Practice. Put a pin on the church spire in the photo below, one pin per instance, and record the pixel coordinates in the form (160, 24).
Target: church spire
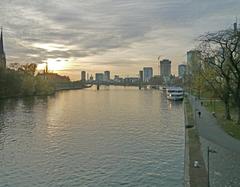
(1, 43)
(2, 54)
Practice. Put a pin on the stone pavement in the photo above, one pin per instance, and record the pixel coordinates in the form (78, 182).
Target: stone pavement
(225, 164)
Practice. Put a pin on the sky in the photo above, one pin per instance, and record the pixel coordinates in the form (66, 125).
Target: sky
(121, 36)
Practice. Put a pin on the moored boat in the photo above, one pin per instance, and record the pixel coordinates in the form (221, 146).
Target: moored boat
(175, 93)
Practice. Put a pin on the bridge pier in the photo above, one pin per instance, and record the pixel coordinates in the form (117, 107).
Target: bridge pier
(140, 86)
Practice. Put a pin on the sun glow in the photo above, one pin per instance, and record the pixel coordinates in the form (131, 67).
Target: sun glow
(54, 64)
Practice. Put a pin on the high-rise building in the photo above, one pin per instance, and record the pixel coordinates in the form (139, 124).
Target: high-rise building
(83, 76)
(2, 53)
(182, 68)
(193, 61)
(106, 76)
(141, 76)
(165, 68)
(87, 76)
(235, 26)
(147, 73)
(99, 77)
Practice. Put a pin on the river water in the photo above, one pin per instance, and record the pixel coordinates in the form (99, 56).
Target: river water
(112, 137)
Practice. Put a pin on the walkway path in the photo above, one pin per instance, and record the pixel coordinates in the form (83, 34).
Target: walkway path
(225, 164)
(209, 129)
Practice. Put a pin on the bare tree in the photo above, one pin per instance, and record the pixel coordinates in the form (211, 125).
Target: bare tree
(221, 52)
(25, 68)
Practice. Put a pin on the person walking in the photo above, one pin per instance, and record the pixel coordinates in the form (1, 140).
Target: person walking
(199, 114)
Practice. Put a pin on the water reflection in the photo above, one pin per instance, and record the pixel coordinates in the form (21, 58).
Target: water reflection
(2, 137)
(20, 115)
(111, 137)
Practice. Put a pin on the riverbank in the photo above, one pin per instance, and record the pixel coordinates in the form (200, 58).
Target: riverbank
(195, 176)
(224, 161)
(72, 87)
(52, 92)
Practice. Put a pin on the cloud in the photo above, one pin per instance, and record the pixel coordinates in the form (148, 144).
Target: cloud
(109, 33)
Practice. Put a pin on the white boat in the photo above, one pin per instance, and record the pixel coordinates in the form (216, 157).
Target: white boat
(175, 93)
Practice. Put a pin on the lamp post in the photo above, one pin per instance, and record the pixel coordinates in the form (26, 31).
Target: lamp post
(195, 111)
(195, 116)
(209, 151)
(214, 106)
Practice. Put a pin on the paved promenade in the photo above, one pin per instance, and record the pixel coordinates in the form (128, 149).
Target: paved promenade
(225, 164)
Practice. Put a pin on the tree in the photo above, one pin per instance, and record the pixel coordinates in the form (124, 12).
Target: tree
(218, 85)
(28, 86)
(29, 68)
(19, 80)
(220, 51)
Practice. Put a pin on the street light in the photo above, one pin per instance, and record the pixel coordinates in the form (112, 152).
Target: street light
(209, 151)
(195, 112)
(195, 116)
(214, 106)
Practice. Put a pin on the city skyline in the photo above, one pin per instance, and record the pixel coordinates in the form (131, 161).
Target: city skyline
(119, 93)
(118, 36)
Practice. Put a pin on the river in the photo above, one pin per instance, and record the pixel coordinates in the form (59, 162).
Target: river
(112, 137)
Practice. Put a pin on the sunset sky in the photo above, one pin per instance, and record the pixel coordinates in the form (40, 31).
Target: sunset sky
(117, 35)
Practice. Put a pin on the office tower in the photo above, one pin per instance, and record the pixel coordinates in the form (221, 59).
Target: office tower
(182, 68)
(193, 61)
(147, 73)
(106, 75)
(165, 68)
(99, 77)
(83, 76)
